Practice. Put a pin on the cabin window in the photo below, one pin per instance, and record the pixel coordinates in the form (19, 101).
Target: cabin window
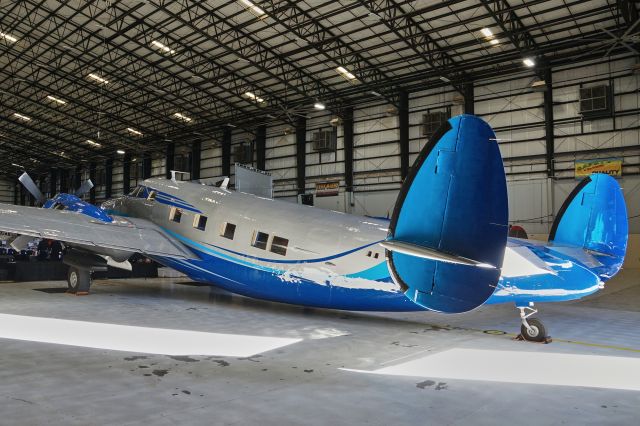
(175, 214)
(375, 256)
(260, 240)
(228, 230)
(152, 196)
(200, 222)
(279, 245)
(369, 253)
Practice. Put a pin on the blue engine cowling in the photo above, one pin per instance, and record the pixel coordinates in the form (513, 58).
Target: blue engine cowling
(72, 203)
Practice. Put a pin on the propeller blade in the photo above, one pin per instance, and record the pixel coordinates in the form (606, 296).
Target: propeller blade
(84, 188)
(31, 186)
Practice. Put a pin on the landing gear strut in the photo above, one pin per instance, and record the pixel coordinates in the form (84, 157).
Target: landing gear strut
(531, 329)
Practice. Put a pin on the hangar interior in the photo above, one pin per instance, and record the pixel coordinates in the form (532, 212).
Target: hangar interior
(317, 92)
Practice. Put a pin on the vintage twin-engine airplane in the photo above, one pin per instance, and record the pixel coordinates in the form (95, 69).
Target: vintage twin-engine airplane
(445, 248)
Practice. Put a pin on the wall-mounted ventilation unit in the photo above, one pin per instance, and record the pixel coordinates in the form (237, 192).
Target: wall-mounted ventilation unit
(243, 153)
(325, 140)
(596, 102)
(181, 162)
(431, 122)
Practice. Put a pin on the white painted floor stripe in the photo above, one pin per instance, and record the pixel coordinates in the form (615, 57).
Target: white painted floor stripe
(135, 339)
(523, 367)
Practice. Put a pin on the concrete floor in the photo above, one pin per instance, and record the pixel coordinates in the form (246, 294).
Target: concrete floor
(306, 382)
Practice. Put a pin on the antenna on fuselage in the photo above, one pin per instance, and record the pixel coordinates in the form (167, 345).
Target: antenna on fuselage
(174, 174)
(225, 183)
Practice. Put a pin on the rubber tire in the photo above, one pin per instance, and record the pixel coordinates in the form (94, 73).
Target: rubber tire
(537, 325)
(73, 279)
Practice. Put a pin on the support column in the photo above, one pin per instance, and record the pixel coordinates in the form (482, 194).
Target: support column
(196, 152)
(16, 188)
(548, 123)
(347, 130)
(301, 153)
(469, 98)
(403, 122)
(53, 182)
(169, 160)
(126, 173)
(226, 152)
(108, 178)
(261, 147)
(92, 176)
(77, 178)
(146, 166)
(64, 180)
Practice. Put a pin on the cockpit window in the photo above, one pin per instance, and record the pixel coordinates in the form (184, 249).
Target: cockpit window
(152, 196)
(59, 206)
(135, 191)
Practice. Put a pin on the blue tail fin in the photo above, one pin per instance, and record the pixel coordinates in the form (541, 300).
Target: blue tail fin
(594, 217)
(449, 229)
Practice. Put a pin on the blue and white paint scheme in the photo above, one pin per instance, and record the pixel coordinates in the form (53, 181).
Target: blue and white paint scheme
(445, 249)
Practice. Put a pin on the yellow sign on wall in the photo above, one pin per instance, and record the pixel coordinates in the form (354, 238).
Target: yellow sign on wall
(610, 166)
(327, 189)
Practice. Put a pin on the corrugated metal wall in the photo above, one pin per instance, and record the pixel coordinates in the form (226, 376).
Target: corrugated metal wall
(509, 104)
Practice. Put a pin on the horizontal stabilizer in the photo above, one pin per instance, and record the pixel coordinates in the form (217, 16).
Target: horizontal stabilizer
(448, 232)
(427, 253)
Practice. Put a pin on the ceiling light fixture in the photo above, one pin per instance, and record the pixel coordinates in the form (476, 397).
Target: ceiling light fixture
(253, 97)
(8, 37)
(254, 9)
(528, 62)
(345, 73)
(134, 131)
(445, 79)
(120, 151)
(97, 78)
(93, 143)
(56, 100)
(17, 165)
(374, 93)
(163, 47)
(486, 32)
(494, 41)
(182, 117)
(21, 117)
(319, 106)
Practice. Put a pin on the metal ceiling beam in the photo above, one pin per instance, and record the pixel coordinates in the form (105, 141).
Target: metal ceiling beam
(628, 10)
(512, 27)
(235, 39)
(309, 29)
(409, 31)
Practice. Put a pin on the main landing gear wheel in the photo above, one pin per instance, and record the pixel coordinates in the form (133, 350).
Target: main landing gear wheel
(72, 280)
(78, 281)
(536, 331)
(532, 329)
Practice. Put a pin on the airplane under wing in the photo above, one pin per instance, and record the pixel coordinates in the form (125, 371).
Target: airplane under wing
(123, 234)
